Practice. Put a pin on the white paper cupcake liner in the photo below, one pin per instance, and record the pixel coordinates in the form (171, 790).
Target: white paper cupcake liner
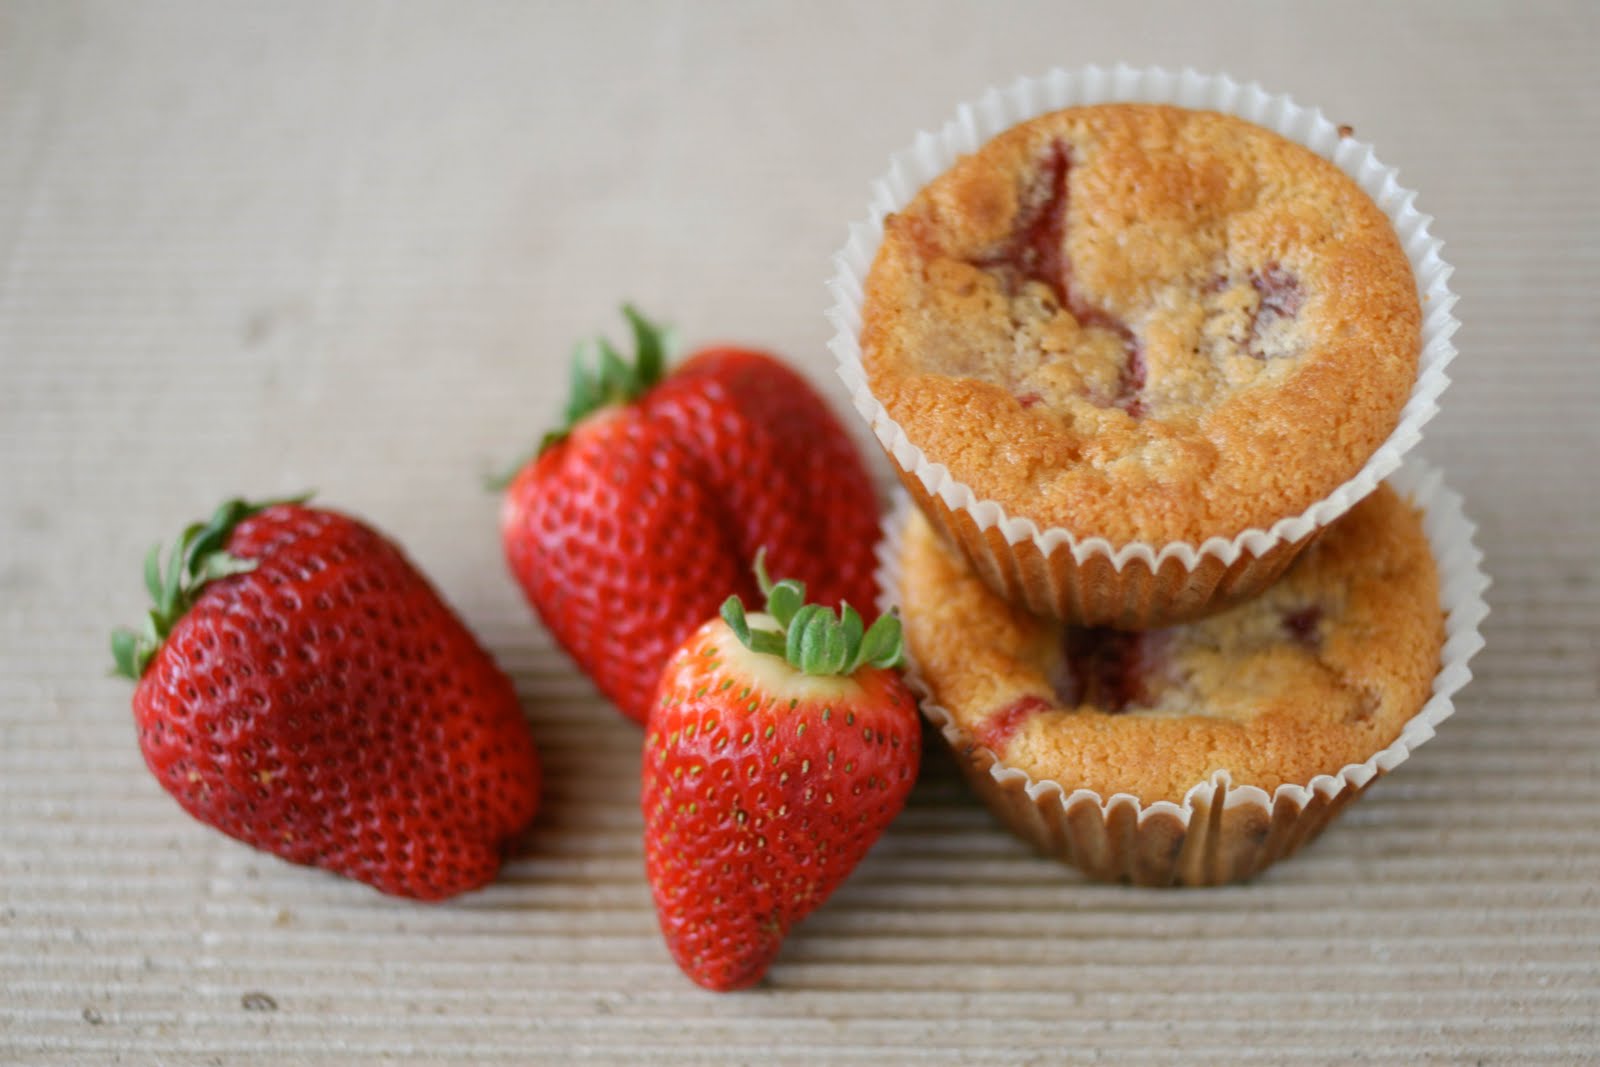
(1221, 832)
(982, 527)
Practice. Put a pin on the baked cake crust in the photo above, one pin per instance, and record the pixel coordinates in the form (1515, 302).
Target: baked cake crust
(1322, 670)
(1141, 322)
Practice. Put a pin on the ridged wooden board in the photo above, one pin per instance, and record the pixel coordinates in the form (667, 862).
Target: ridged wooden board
(348, 246)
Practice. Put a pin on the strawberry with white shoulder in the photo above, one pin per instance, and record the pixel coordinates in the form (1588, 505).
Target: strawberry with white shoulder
(779, 748)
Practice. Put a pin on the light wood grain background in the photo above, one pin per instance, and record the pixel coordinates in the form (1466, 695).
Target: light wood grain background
(254, 248)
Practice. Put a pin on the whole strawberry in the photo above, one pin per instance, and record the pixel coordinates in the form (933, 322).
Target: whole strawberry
(301, 687)
(779, 748)
(634, 522)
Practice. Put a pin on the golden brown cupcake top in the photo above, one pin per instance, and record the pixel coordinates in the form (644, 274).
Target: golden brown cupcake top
(1140, 322)
(1321, 671)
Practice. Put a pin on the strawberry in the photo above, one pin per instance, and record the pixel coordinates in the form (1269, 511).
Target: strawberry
(301, 687)
(634, 522)
(779, 748)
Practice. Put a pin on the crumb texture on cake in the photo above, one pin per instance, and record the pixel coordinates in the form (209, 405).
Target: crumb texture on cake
(1321, 671)
(1141, 322)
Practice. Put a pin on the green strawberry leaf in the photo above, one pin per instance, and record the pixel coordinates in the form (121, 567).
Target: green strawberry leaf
(783, 598)
(787, 598)
(649, 346)
(883, 645)
(763, 580)
(125, 653)
(766, 642)
(759, 640)
(222, 565)
(585, 395)
(851, 627)
(616, 377)
(733, 615)
(175, 559)
(197, 558)
(812, 638)
(835, 652)
(207, 539)
(795, 635)
(612, 381)
(152, 572)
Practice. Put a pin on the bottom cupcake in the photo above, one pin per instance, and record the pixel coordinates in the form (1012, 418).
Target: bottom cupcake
(1199, 754)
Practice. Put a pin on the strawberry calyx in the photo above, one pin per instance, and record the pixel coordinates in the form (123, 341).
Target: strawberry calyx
(196, 558)
(812, 638)
(613, 380)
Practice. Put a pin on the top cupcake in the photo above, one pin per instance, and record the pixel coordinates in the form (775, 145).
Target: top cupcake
(1141, 322)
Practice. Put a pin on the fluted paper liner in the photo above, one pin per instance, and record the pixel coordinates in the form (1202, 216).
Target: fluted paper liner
(1222, 831)
(1091, 581)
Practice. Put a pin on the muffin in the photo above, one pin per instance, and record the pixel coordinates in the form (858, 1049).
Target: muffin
(1223, 743)
(1131, 357)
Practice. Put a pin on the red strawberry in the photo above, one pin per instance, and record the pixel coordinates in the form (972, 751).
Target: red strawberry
(301, 687)
(630, 527)
(779, 748)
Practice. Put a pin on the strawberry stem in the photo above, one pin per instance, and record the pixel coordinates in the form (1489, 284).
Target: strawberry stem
(613, 381)
(813, 638)
(197, 557)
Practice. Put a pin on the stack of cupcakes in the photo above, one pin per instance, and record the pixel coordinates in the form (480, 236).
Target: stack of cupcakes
(1144, 349)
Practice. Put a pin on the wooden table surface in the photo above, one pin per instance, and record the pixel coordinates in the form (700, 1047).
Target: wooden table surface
(254, 248)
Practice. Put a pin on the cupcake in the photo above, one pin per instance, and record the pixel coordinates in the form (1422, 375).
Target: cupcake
(1200, 753)
(1132, 357)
